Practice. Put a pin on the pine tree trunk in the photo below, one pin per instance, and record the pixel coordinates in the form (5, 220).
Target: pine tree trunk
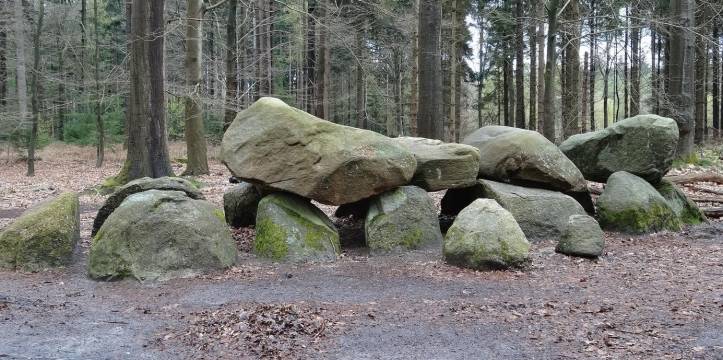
(682, 73)
(81, 51)
(414, 78)
(453, 63)
(571, 90)
(549, 120)
(531, 34)
(716, 83)
(481, 75)
(4, 67)
(59, 127)
(585, 85)
(360, 90)
(36, 89)
(430, 117)
(701, 97)
(231, 65)
(539, 14)
(635, 63)
(321, 83)
(100, 146)
(195, 139)
(20, 63)
(593, 58)
(519, 67)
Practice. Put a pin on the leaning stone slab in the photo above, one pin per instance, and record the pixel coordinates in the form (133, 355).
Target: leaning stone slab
(44, 236)
(240, 203)
(140, 185)
(642, 145)
(542, 214)
(442, 165)
(524, 157)
(485, 236)
(291, 228)
(685, 209)
(402, 219)
(159, 235)
(630, 204)
(283, 148)
(582, 237)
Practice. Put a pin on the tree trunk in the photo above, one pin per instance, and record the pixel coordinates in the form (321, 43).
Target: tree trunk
(231, 65)
(539, 14)
(606, 82)
(532, 33)
(195, 139)
(506, 84)
(593, 57)
(414, 78)
(519, 67)
(100, 146)
(682, 72)
(481, 75)
(81, 51)
(323, 67)
(20, 65)
(360, 90)
(35, 86)
(60, 103)
(311, 57)
(571, 90)
(430, 117)
(716, 77)
(635, 62)
(4, 67)
(147, 143)
(583, 91)
(701, 97)
(549, 120)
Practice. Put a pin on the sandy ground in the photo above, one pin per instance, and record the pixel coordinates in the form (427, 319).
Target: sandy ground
(657, 296)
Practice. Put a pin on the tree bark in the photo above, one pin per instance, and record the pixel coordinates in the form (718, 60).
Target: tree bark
(701, 97)
(583, 91)
(100, 146)
(682, 73)
(414, 78)
(453, 64)
(147, 143)
(231, 65)
(716, 83)
(539, 14)
(3, 67)
(519, 67)
(323, 66)
(195, 139)
(571, 94)
(635, 62)
(20, 63)
(35, 86)
(430, 117)
(549, 120)
(360, 86)
(593, 58)
(532, 33)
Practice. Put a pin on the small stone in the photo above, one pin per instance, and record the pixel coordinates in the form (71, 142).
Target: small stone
(582, 237)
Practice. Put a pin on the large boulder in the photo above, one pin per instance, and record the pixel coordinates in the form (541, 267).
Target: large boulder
(485, 236)
(685, 209)
(44, 236)
(158, 235)
(240, 203)
(643, 145)
(542, 214)
(524, 157)
(630, 204)
(291, 228)
(283, 148)
(582, 237)
(400, 219)
(140, 185)
(442, 165)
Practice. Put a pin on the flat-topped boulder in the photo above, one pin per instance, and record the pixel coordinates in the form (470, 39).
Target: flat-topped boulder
(290, 228)
(159, 235)
(283, 148)
(630, 204)
(442, 165)
(541, 213)
(140, 185)
(524, 157)
(402, 219)
(485, 236)
(642, 145)
(44, 236)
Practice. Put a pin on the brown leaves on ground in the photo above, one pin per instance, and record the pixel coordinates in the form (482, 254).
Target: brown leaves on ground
(262, 330)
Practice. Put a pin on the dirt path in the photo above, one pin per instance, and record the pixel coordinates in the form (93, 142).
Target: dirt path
(651, 297)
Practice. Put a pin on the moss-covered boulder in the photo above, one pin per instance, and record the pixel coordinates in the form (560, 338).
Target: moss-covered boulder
(442, 165)
(485, 236)
(542, 214)
(291, 228)
(642, 145)
(240, 203)
(630, 204)
(44, 236)
(582, 237)
(524, 157)
(140, 185)
(283, 148)
(685, 209)
(158, 235)
(402, 219)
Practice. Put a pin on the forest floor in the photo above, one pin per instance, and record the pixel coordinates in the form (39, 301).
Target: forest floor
(657, 296)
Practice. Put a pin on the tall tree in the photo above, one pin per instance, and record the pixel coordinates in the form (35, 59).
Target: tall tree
(571, 64)
(593, 56)
(701, 96)
(322, 83)
(548, 124)
(195, 139)
(20, 68)
(635, 61)
(453, 68)
(414, 77)
(3, 64)
(716, 83)
(35, 88)
(585, 85)
(147, 142)
(100, 142)
(519, 66)
(532, 40)
(430, 116)
(231, 65)
(681, 72)
(539, 15)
